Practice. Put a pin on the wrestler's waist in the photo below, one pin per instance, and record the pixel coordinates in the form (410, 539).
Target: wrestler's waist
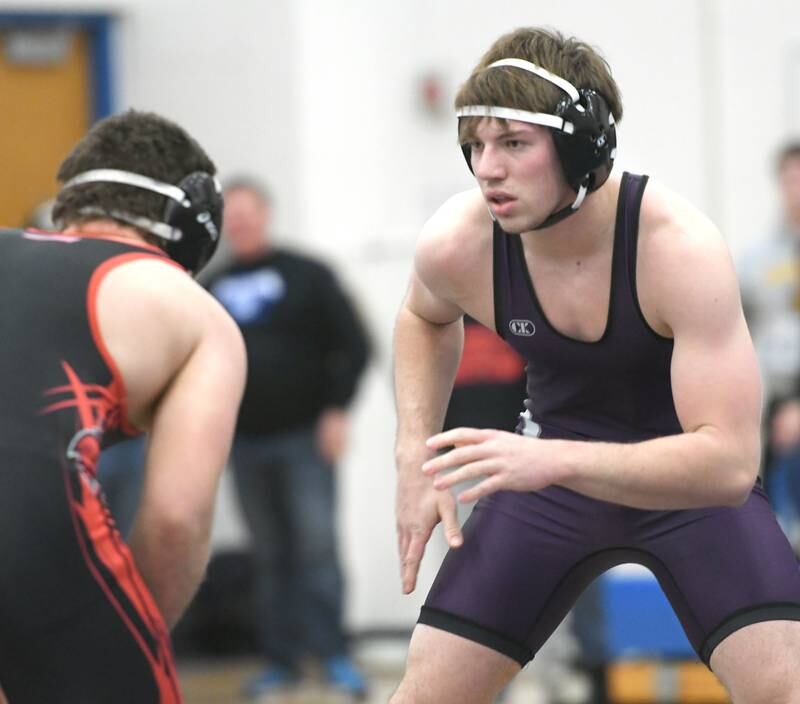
(534, 426)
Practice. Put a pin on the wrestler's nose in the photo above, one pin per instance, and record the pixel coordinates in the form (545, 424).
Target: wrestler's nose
(488, 164)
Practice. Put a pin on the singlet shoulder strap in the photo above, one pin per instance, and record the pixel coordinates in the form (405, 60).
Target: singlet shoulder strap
(630, 205)
(503, 275)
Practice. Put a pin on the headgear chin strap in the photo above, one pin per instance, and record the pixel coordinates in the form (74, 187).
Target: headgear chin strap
(192, 218)
(584, 134)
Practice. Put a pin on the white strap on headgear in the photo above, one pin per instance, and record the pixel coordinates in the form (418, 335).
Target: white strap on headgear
(130, 179)
(160, 229)
(535, 118)
(562, 83)
(582, 191)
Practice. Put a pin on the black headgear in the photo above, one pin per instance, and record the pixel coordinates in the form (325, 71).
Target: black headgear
(584, 133)
(192, 219)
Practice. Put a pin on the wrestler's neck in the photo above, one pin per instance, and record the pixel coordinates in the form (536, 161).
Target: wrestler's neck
(110, 229)
(589, 231)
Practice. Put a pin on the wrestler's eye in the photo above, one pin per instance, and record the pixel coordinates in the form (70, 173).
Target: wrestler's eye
(515, 143)
(474, 146)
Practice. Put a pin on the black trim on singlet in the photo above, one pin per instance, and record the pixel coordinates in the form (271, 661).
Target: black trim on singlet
(633, 249)
(620, 248)
(519, 251)
(786, 611)
(595, 564)
(498, 306)
(457, 625)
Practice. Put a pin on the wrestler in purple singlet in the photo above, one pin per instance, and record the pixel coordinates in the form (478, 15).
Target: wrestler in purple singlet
(527, 556)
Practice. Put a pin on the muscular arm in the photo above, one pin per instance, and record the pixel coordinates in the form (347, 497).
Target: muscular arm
(426, 357)
(429, 332)
(716, 391)
(427, 349)
(183, 363)
(189, 444)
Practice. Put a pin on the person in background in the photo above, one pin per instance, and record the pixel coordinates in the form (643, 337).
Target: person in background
(490, 382)
(121, 474)
(769, 277)
(307, 349)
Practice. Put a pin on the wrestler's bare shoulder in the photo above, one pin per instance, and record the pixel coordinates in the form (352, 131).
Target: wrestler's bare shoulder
(457, 236)
(676, 237)
(681, 253)
(669, 223)
(159, 288)
(153, 318)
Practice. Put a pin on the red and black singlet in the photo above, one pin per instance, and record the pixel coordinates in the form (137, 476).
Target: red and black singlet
(77, 623)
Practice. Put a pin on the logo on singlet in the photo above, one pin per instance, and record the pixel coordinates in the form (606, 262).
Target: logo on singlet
(522, 328)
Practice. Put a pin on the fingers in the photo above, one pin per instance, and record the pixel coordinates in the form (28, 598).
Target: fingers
(458, 437)
(455, 458)
(409, 563)
(473, 470)
(448, 513)
(403, 539)
(486, 487)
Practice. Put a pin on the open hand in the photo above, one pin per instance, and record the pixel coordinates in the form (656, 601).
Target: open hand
(419, 508)
(506, 460)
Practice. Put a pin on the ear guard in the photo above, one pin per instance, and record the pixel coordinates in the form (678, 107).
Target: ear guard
(192, 219)
(586, 154)
(584, 133)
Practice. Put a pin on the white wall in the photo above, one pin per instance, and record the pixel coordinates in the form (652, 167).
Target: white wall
(321, 98)
(760, 58)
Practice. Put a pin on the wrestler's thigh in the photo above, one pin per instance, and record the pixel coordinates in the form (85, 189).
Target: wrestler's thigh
(760, 663)
(444, 668)
(724, 569)
(525, 560)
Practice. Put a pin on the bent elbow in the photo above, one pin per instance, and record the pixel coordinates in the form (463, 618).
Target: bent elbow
(741, 483)
(178, 524)
(737, 498)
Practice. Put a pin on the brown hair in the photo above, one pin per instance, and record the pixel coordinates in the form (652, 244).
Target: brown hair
(140, 142)
(567, 57)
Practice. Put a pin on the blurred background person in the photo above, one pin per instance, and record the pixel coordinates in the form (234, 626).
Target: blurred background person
(769, 273)
(121, 472)
(490, 382)
(307, 349)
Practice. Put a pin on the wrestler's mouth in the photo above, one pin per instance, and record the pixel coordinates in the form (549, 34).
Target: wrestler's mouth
(500, 203)
(498, 198)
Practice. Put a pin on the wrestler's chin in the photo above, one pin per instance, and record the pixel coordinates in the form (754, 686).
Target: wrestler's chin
(517, 223)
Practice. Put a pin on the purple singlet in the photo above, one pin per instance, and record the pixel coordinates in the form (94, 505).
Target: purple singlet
(527, 556)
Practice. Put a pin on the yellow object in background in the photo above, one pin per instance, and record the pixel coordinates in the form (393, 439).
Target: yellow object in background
(649, 681)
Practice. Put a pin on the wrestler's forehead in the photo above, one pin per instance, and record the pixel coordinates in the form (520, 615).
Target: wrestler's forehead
(492, 127)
